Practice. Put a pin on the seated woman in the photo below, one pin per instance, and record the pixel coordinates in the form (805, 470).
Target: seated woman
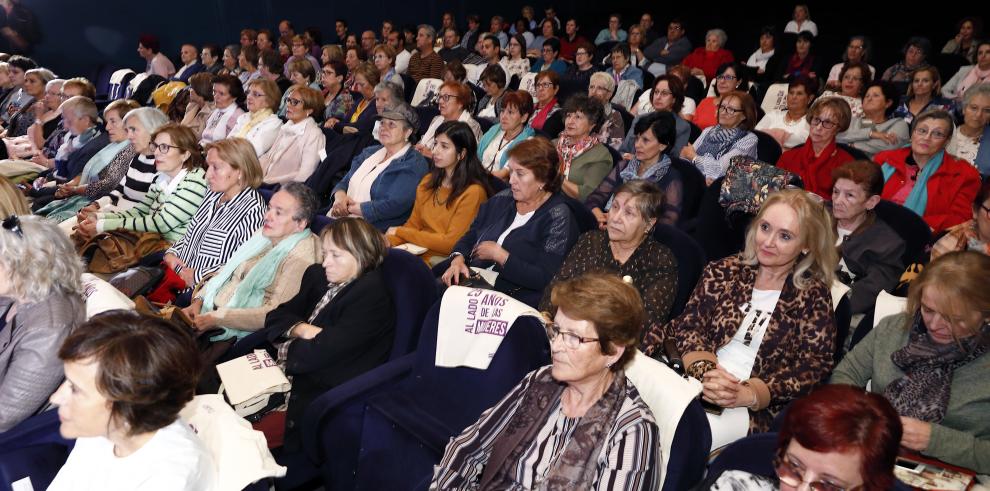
(579, 72)
(922, 95)
(858, 50)
(969, 76)
(361, 117)
(764, 53)
(263, 272)
(231, 65)
(522, 233)
(814, 161)
(296, 149)
(174, 198)
(705, 60)
(515, 63)
(339, 325)
(869, 250)
(651, 162)
(970, 31)
(127, 431)
(34, 145)
(667, 94)
(40, 304)
(453, 100)
(790, 126)
(728, 78)
(48, 138)
(730, 137)
(931, 362)
(547, 85)
(248, 63)
(916, 52)
(971, 235)
(928, 180)
(200, 104)
(228, 99)
(625, 247)
(300, 51)
(803, 62)
(613, 33)
(35, 81)
(259, 125)
(622, 67)
(338, 100)
(353, 58)
(854, 79)
(381, 184)
(550, 58)
(493, 150)
(966, 142)
(876, 130)
(493, 80)
(575, 421)
(300, 73)
(836, 437)
(454, 71)
(448, 197)
(584, 161)
(758, 330)
(232, 210)
(384, 58)
(613, 128)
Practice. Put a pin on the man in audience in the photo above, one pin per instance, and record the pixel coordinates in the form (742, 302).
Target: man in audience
(496, 29)
(668, 50)
(490, 49)
(285, 29)
(248, 37)
(17, 97)
(646, 23)
(264, 41)
(387, 27)
(471, 36)
(190, 63)
(368, 41)
(158, 64)
(398, 42)
(210, 56)
(425, 63)
(340, 28)
(452, 49)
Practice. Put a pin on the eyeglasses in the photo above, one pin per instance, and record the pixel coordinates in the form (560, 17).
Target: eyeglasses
(571, 340)
(255, 93)
(544, 85)
(852, 78)
(791, 475)
(727, 78)
(935, 134)
(446, 97)
(815, 121)
(665, 93)
(731, 111)
(13, 224)
(292, 101)
(162, 147)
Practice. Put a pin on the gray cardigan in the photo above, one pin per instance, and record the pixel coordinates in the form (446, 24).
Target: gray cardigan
(30, 370)
(963, 436)
(858, 135)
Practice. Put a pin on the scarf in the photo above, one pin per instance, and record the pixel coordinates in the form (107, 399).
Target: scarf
(577, 464)
(923, 392)
(101, 160)
(570, 149)
(250, 291)
(974, 77)
(74, 143)
(654, 173)
(917, 201)
(540, 118)
(253, 120)
(720, 140)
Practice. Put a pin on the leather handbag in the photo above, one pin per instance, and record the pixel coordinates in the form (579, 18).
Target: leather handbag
(117, 250)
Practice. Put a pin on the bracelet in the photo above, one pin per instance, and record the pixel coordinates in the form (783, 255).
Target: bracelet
(697, 369)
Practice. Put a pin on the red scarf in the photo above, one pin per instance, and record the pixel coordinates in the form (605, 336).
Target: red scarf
(540, 118)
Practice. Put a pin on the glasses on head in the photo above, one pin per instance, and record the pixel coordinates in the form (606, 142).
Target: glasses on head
(725, 77)
(815, 121)
(162, 147)
(731, 111)
(13, 224)
(570, 340)
(935, 134)
(544, 85)
(792, 475)
(292, 101)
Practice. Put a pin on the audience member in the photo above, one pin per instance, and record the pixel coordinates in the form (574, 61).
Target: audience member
(584, 160)
(259, 125)
(295, 152)
(815, 160)
(876, 130)
(790, 126)
(716, 145)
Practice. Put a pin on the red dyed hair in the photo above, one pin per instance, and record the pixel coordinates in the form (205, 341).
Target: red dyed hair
(843, 418)
(462, 91)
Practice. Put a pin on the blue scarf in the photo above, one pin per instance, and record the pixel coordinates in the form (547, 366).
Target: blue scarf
(100, 161)
(917, 200)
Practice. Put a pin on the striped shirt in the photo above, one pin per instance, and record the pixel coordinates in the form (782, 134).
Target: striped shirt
(218, 229)
(161, 211)
(135, 183)
(627, 461)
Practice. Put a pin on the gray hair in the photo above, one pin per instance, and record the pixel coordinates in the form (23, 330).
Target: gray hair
(720, 34)
(150, 118)
(40, 260)
(305, 199)
(939, 115)
(603, 78)
(55, 81)
(44, 74)
(82, 107)
(974, 91)
(430, 31)
(394, 92)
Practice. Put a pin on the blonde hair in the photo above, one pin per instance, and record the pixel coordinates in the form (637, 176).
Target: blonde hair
(40, 260)
(272, 93)
(12, 200)
(816, 234)
(239, 154)
(960, 277)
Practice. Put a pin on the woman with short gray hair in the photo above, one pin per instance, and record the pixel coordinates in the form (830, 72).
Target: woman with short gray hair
(705, 60)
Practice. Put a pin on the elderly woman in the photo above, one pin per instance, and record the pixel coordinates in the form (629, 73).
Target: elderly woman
(971, 235)
(361, 117)
(704, 61)
(916, 52)
(493, 80)
(622, 67)
(548, 30)
(667, 94)
(40, 304)
(300, 51)
(493, 150)
(248, 63)
(264, 272)
(295, 152)
(922, 95)
(231, 55)
(353, 59)
(837, 437)
(716, 145)
(729, 77)
(523, 233)
(613, 129)
(876, 130)
(49, 136)
(758, 330)
(966, 142)
(575, 421)
(857, 51)
(448, 197)
(200, 104)
(338, 101)
(547, 84)
(624, 247)
(127, 431)
(550, 58)
(35, 81)
(381, 184)
(579, 73)
(970, 31)
(47, 125)
(790, 126)
(814, 161)
(655, 133)
(228, 98)
(384, 59)
(870, 251)
(764, 51)
(584, 161)
(300, 73)
(259, 125)
(928, 180)
(341, 322)
(853, 79)
(931, 362)
(173, 199)
(801, 21)
(969, 76)
(453, 99)
(515, 63)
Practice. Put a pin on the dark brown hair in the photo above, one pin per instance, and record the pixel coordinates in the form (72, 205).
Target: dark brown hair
(539, 156)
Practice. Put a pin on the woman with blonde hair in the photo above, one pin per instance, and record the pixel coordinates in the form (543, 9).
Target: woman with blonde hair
(259, 125)
(294, 154)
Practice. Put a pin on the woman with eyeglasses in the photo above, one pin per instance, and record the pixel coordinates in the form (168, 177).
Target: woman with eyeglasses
(967, 141)
(922, 95)
(857, 51)
(294, 154)
(716, 145)
(259, 125)
(577, 421)
(928, 180)
(337, 99)
(547, 85)
(853, 82)
(876, 130)
(452, 102)
(837, 438)
(584, 159)
(384, 58)
(516, 62)
(815, 160)
(579, 73)
(493, 149)
(931, 362)
(362, 115)
(667, 95)
(300, 73)
(728, 78)
(300, 51)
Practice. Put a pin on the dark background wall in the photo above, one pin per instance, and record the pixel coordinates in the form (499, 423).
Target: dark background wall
(79, 36)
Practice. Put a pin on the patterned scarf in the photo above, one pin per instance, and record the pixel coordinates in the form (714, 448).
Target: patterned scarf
(577, 464)
(654, 173)
(570, 149)
(719, 140)
(923, 392)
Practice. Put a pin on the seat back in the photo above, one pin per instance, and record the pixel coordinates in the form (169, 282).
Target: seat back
(753, 454)
(119, 81)
(719, 235)
(855, 152)
(775, 98)
(425, 113)
(695, 132)
(424, 89)
(690, 262)
(39, 463)
(694, 187)
(408, 87)
(473, 72)
(909, 226)
(336, 164)
(413, 290)
(528, 83)
(693, 441)
(767, 148)
(586, 221)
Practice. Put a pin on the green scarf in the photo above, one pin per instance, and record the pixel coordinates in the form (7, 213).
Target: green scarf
(917, 199)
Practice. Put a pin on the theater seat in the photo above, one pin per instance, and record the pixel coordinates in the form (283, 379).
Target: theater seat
(690, 262)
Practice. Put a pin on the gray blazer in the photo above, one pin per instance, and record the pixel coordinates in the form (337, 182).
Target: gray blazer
(30, 370)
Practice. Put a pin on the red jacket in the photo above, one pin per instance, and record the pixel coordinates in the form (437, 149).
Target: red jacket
(951, 189)
(816, 172)
(708, 61)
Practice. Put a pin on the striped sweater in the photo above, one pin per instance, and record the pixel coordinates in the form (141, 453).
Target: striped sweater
(161, 211)
(218, 229)
(134, 185)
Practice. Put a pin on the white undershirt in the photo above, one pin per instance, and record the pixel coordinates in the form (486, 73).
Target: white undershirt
(518, 221)
(738, 356)
(843, 234)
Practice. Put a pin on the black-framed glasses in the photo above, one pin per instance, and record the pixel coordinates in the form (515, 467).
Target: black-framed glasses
(792, 475)
(815, 121)
(731, 111)
(162, 147)
(728, 78)
(985, 208)
(13, 224)
(571, 340)
(292, 101)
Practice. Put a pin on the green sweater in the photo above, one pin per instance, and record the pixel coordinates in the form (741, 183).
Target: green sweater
(963, 436)
(168, 215)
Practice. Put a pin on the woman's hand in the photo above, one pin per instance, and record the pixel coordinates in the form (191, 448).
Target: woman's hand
(87, 228)
(39, 111)
(426, 151)
(194, 308)
(64, 191)
(456, 270)
(601, 216)
(304, 331)
(697, 71)
(330, 123)
(688, 152)
(189, 276)
(204, 322)
(391, 230)
(340, 203)
(889, 138)
(725, 390)
(173, 261)
(916, 434)
(354, 208)
(490, 251)
(779, 134)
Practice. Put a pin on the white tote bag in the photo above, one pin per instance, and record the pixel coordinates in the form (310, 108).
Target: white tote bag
(250, 381)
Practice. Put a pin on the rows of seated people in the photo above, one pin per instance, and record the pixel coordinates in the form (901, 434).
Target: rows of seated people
(737, 221)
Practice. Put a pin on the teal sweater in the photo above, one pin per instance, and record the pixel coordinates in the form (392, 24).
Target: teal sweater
(963, 436)
(168, 215)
